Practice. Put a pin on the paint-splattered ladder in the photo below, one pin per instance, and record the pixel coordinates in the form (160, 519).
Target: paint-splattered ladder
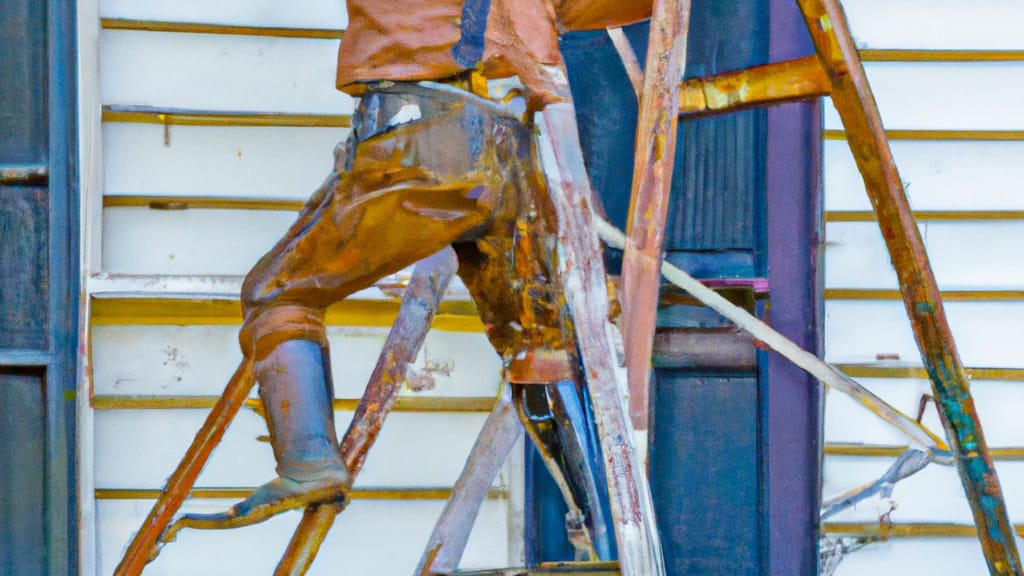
(835, 71)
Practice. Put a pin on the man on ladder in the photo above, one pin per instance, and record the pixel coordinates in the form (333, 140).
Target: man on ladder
(431, 162)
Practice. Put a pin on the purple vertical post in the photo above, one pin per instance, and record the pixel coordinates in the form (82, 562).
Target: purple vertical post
(794, 199)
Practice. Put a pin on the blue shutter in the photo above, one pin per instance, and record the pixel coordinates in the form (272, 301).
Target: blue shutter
(38, 288)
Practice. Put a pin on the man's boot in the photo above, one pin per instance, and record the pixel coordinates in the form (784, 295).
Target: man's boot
(294, 383)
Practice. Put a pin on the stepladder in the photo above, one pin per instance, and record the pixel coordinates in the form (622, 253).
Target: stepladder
(551, 409)
(546, 387)
(834, 71)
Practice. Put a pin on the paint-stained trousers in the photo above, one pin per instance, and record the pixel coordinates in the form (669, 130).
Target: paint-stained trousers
(424, 167)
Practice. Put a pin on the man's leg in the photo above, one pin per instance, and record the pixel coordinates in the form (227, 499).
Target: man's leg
(410, 192)
(549, 424)
(297, 396)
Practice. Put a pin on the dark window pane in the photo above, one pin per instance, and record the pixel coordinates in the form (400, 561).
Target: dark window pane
(22, 91)
(23, 268)
(21, 474)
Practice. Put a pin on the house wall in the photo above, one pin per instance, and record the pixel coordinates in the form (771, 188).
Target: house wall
(956, 126)
(162, 283)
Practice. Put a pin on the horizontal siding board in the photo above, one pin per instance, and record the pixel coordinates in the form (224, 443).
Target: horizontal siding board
(945, 96)
(932, 495)
(936, 24)
(313, 13)
(140, 448)
(939, 175)
(932, 556)
(222, 73)
(987, 334)
(139, 240)
(199, 360)
(179, 242)
(965, 255)
(232, 162)
(370, 537)
(998, 405)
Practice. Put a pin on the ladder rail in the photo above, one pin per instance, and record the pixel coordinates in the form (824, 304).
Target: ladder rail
(583, 277)
(654, 157)
(143, 546)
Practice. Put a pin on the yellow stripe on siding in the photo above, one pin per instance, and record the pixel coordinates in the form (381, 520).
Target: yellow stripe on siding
(930, 215)
(947, 295)
(402, 404)
(240, 493)
(226, 29)
(200, 202)
(453, 316)
(226, 203)
(918, 372)
(890, 55)
(176, 117)
(953, 135)
(880, 451)
(905, 530)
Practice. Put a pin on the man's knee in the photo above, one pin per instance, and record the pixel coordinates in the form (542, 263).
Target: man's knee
(266, 326)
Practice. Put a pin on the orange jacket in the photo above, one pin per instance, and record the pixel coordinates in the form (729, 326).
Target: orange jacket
(413, 39)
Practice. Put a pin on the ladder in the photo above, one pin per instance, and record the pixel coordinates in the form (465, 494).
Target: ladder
(836, 71)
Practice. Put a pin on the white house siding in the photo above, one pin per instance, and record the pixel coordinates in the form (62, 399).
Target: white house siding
(172, 259)
(972, 186)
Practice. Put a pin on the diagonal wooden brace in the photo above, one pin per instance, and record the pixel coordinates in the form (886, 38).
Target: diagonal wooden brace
(856, 105)
(447, 542)
(143, 545)
(648, 205)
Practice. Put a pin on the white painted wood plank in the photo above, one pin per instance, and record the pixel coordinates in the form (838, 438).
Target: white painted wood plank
(945, 96)
(309, 14)
(999, 405)
(234, 162)
(105, 285)
(936, 24)
(932, 556)
(988, 334)
(964, 255)
(140, 448)
(934, 494)
(217, 242)
(370, 537)
(939, 175)
(199, 360)
(209, 72)
(90, 182)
